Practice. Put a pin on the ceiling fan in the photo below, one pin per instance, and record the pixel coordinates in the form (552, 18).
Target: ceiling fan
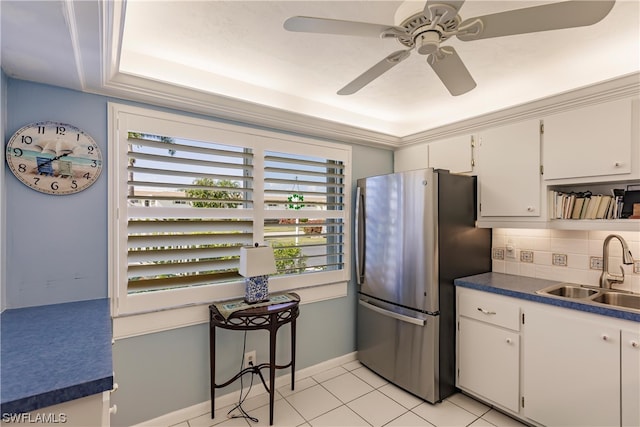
(425, 28)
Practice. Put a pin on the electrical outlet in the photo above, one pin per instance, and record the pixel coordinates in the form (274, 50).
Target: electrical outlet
(636, 267)
(249, 359)
(595, 263)
(559, 260)
(498, 253)
(526, 256)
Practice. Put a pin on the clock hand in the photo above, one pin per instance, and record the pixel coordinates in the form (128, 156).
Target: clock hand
(55, 158)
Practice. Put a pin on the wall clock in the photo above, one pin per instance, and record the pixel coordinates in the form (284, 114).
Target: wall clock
(54, 158)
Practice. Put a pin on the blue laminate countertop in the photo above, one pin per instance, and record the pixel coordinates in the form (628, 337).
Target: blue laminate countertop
(525, 288)
(54, 353)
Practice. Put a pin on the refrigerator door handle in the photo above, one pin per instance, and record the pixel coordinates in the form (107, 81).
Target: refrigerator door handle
(391, 314)
(359, 236)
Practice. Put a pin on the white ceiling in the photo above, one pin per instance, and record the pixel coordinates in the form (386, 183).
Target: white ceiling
(234, 59)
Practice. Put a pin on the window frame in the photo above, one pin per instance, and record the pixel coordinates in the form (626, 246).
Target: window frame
(123, 118)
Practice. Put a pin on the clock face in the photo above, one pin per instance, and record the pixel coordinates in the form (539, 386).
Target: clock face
(54, 158)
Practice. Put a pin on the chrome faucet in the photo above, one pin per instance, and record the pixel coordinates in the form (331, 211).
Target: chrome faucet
(606, 278)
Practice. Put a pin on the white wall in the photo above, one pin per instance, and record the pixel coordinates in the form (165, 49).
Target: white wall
(578, 246)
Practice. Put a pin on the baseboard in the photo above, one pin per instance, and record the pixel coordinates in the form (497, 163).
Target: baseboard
(203, 408)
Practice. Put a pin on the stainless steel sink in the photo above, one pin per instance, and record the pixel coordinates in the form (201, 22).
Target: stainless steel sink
(619, 299)
(569, 290)
(594, 295)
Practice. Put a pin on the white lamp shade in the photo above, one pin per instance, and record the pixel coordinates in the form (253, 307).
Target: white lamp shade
(257, 261)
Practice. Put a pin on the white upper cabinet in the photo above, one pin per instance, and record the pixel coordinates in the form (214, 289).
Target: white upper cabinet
(454, 154)
(589, 142)
(508, 165)
(411, 158)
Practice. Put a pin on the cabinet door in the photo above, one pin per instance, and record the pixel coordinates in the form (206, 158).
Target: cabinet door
(571, 369)
(630, 346)
(509, 170)
(489, 362)
(453, 154)
(590, 141)
(411, 158)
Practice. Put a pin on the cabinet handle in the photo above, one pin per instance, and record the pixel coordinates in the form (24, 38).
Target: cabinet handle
(482, 310)
(635, 344)
(617, 164)
(530, 209)
(113, 409)
(508, 340)
(605, 337)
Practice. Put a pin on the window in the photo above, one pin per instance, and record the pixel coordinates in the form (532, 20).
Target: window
(186, 194)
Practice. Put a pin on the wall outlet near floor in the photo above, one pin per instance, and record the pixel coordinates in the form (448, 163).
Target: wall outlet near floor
(526, 256)
(636, 267)
(595, 263)
(249, 359)
(559, 260)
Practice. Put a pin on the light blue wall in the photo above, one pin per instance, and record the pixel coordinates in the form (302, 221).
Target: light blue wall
(3, 200)
(57, 252)
(56, 245)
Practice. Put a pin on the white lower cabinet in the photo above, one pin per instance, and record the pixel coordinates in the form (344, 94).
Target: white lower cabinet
(571, 366)
(630, 376)
(489, 347)
(87, 411)
(548, 365)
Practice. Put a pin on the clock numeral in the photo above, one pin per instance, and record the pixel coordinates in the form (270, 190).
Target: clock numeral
(54, 185)
(41, 129)
(90, 148)
(78, 136)
(36, 180)
(60, 130)
(87, 175)
(94, 163)
(74, 184)
(17, 152)
(26, 139)
(22, 167)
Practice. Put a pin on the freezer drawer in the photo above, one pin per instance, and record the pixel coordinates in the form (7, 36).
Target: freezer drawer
(399, 347)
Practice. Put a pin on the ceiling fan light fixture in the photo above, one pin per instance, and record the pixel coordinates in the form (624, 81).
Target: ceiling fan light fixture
(427, 42)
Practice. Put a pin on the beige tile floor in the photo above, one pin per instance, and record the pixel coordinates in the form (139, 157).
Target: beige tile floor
(351, 395)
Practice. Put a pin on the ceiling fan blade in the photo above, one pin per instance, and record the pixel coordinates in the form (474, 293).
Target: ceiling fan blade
(374, 72)
(451, 70)
(554, 16)
(308, 24)
(434, 8)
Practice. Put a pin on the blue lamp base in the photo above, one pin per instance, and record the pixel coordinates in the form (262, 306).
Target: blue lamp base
(256, 289)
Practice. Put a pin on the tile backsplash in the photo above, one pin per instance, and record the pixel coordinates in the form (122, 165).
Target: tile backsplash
(564, 255)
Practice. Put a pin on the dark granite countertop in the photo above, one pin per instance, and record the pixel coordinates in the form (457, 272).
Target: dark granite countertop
(525, 288)
(54, 353)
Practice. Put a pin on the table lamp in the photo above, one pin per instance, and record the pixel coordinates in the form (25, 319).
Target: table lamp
(256, 263)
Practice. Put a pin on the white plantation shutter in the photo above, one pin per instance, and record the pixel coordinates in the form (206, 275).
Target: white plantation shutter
(313, 241)
(187, 194)
(183, 229)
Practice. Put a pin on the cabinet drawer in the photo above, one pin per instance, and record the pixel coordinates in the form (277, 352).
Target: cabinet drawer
(490, 308)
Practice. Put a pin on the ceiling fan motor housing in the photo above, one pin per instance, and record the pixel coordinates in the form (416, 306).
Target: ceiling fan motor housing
(427, 42)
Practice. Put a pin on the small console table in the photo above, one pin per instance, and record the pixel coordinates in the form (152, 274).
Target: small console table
(271, 315)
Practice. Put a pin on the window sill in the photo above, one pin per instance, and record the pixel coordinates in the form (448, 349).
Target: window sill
(163, 320)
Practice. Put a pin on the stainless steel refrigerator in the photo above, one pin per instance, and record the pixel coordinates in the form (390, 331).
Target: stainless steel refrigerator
(415, 233)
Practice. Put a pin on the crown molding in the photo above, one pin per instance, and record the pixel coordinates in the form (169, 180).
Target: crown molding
(622, 87)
